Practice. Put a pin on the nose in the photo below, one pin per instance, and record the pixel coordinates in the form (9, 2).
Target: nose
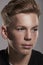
(27, 35)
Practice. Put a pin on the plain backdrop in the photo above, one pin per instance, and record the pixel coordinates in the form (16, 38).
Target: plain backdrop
(39, 45)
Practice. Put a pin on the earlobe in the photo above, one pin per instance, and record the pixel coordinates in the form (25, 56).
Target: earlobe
(4, 32)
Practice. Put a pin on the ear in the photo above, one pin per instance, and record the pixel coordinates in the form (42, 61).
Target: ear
(4, 32)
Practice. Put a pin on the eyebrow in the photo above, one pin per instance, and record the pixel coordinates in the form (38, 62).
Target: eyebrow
(21, 26)
(31, 27)
(35, 26)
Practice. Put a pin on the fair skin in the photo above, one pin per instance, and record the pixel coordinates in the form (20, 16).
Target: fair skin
(22, 37)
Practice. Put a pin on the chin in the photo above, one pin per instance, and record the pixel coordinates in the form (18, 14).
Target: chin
(26, 52)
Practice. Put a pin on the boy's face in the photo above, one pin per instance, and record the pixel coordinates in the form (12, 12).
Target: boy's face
(23, 34)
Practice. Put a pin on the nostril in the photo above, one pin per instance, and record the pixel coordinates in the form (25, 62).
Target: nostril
(27, 39)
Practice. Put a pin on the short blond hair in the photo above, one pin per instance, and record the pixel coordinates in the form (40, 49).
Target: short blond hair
(19, 6)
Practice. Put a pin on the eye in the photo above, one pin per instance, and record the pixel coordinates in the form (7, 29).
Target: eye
(35, 30)
(20, 28)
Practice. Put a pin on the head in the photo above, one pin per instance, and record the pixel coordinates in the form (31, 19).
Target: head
(21, 24)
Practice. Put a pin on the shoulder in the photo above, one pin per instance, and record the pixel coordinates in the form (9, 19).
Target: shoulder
(3, 57)
(3, 53)
(37, 53)
(37, 57)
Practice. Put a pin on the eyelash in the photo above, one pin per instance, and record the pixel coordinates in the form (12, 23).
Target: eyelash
(35, 30)
(20, 28)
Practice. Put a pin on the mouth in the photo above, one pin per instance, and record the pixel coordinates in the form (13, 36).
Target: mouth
(27, 46)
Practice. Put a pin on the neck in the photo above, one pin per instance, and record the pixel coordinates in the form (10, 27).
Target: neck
(18, 59)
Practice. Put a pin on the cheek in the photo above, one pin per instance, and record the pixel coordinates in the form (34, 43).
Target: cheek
(18, 37)
(35, 36)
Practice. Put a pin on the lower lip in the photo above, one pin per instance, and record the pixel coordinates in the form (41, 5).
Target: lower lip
(27, 46)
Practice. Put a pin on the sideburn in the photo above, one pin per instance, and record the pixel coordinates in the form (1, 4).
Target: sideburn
(10, 35)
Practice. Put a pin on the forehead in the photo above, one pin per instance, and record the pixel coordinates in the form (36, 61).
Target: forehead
(23, 19)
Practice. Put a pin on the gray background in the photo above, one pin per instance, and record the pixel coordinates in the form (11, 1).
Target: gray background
(39, 45)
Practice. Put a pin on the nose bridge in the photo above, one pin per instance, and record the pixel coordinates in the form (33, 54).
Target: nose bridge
(28, 34)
